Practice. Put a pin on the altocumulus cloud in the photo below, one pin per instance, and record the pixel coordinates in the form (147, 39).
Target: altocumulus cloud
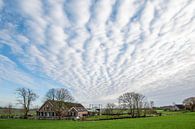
(100, 49)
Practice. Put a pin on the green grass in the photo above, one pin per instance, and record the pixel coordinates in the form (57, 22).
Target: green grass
(99, 117)
(171, 112)
(177, 121)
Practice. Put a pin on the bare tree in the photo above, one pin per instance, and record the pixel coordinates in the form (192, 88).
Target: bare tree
(120, 107)
(63, 95)
(109, 108)
(50, 95)
(133, 102)
(151, 104)
(138, 101)
(126, 101)
(60, 94)
(8, 110)
(146, 107)
(25, 98)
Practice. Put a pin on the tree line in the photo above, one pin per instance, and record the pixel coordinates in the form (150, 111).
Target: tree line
(134, 103)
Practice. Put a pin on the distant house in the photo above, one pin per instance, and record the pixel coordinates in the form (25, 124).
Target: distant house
(175, 107)
(94, 111)
(178, 107)
(52, 109)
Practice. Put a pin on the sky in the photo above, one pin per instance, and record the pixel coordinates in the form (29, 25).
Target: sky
(98, 49)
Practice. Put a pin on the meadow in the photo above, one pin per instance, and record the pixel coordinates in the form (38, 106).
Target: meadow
(167, 121)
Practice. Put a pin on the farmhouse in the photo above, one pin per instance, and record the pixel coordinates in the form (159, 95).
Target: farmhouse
(178, 107)
(52, 109)
(175, 107)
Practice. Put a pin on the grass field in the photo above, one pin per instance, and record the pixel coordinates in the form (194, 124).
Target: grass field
(174, 121)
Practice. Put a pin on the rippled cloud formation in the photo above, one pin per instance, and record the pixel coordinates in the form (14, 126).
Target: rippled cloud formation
(99, 49)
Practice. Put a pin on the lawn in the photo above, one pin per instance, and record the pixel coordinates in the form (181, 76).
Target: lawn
(177, 121)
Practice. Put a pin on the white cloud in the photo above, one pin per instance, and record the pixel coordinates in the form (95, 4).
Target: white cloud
(10, 72)
(78, 11)
(32, 10)
(108, 47)
(16, 41)
(1, 4)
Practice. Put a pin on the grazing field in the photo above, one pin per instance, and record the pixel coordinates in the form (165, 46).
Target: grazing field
(176, 121)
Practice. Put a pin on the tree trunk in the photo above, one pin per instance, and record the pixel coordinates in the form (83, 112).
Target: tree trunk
(133, 112)
(145, 112)
(25, 114)
(137, 109)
